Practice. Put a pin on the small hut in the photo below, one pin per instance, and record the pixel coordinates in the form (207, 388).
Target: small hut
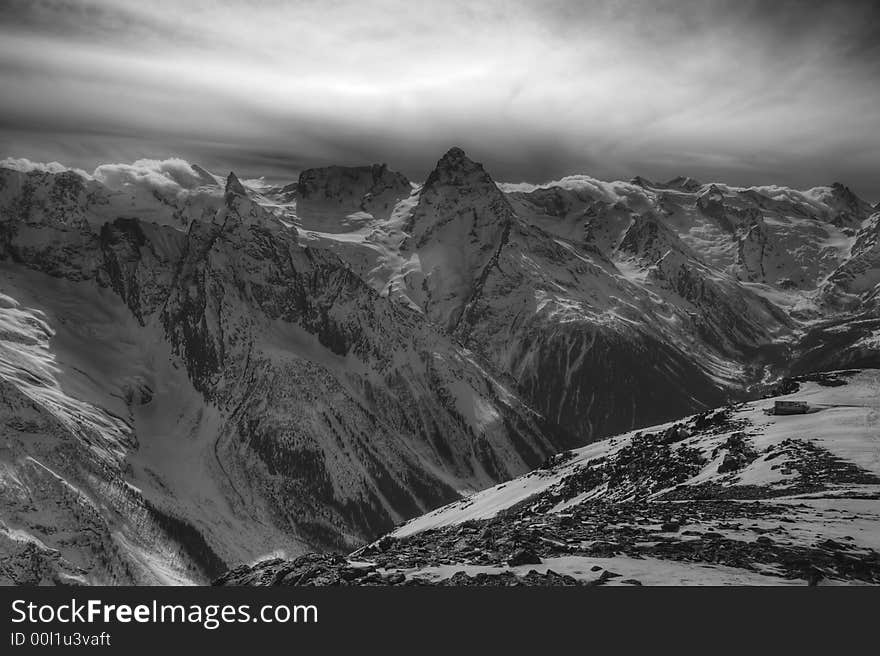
(790, 407)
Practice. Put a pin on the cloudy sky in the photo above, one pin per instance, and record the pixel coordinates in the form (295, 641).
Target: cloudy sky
(746, 92)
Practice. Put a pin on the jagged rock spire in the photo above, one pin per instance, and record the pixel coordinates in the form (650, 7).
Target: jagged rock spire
(234, 187)
(456, 168)
(458, 188)
(685, 183)
(205, 176)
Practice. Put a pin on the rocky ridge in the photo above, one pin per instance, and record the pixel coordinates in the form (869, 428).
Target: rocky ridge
(312, 411)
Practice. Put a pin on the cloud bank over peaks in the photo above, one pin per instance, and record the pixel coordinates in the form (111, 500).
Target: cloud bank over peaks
(168, 177)
(26, 166)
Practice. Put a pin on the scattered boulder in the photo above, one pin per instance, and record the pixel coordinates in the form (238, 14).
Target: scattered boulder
(523, 557)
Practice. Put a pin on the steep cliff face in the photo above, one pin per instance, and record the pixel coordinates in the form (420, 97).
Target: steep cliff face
(460, 224)
(727, 317)
(388, 416)
(579, 289)
(781, 237)
(358, 193)
(859, 275)
(589, 322)
(267, 397)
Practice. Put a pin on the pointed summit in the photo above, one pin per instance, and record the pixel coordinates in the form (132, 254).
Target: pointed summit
(685, 183)
(456, 168)
(459, 226)
(649, 239)
(234, 186)
(848, 196)
(244, 210)
(205, 176)
(846, 207)
(460, 191)
(455, 157)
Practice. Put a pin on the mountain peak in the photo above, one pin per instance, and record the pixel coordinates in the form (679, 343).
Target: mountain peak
(460, 224)
(234, 186)
(844, 193)
(455, 153)
(327, 195)
(847, 207)
(685, 183)
(457, 169)
(205, 176)
(649, 238)
(458, 186)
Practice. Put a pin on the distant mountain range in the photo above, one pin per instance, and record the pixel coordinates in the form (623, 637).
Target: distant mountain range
(197, 370)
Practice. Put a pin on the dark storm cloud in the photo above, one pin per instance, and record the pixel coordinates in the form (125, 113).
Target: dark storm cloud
(748, 92)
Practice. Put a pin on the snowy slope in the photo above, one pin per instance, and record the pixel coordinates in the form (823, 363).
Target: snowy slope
(732, 496)
(70, 512)
(846, 424)
(247, 393)
(682, 294)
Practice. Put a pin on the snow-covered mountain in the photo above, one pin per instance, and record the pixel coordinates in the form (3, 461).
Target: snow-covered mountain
(198, 371)
(218, 392)
(731, 496)
(613, 305)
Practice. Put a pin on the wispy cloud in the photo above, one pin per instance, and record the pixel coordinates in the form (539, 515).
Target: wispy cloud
(535, 89)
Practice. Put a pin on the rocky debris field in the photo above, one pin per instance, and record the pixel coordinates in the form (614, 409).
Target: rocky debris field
(813, 468)
(792, 384)
(719, 491)
(333, 569)
(714, 532)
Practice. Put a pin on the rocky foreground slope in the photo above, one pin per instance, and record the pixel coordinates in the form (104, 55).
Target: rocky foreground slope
(728, 496)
